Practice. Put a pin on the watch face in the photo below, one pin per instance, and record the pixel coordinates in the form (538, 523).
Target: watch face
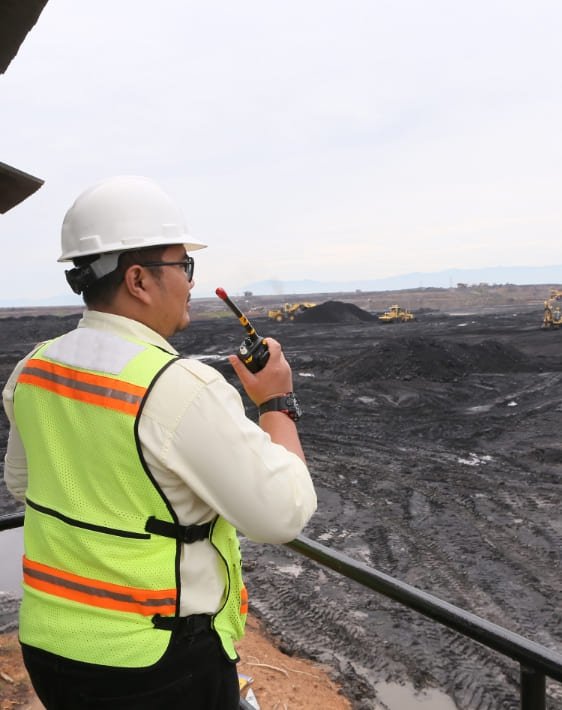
(294, 406)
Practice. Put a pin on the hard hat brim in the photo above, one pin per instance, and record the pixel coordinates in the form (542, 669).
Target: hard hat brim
(191, 245)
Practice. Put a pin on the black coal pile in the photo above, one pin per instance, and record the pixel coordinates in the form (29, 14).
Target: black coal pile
(439, 360)
(334, 312)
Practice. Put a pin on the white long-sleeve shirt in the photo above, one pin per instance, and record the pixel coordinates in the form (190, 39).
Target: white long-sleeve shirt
(207, 457)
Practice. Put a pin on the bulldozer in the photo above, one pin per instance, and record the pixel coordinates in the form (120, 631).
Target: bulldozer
(552, 317)
(289, 311)
(396, 314)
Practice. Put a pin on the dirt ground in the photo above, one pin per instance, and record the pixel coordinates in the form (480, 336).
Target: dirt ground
(435, 449)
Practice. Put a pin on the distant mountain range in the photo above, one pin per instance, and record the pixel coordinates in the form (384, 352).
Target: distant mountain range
(518, 275)
(449, 278)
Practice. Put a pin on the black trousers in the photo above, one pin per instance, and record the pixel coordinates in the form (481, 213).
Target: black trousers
(194, 674)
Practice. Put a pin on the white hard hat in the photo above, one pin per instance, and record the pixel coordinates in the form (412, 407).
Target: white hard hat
(122, 214)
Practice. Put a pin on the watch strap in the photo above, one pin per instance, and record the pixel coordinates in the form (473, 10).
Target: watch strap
(285, 403)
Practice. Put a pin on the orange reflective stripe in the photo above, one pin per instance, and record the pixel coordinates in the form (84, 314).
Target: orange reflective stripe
(97, 593)
(243, 600)
(94, 389)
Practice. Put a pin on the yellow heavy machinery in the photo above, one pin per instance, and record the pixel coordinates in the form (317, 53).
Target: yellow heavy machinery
(552, 317)
(395, 314)
(288, 311)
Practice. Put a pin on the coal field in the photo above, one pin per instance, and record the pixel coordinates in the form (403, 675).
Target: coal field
(435, 449)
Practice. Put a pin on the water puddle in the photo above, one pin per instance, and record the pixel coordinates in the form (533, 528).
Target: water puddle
(405, 697)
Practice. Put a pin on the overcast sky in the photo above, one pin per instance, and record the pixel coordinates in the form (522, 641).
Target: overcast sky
(322, 139)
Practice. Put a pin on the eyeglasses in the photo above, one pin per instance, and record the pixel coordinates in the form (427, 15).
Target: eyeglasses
(188, 265)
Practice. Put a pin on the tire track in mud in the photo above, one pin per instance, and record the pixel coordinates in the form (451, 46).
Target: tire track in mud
(392, 627)
(386, 649)
(479, 690)
(499, 526)
(516, 600)
(336, 632)
(466, 682)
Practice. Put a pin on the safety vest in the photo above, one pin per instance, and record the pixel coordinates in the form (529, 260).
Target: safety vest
(102, 542)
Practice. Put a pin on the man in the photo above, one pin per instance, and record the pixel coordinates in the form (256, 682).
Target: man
(137, 467)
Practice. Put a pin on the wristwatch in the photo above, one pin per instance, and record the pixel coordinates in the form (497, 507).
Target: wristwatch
(287, 403)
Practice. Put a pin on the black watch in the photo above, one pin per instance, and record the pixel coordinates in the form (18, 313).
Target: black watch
(287, 403)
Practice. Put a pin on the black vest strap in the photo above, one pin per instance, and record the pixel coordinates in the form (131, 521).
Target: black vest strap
(191, 624)
(183, 533)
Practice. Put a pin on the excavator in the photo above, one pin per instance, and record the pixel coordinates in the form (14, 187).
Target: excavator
(552, 317)
(396, 314)
(288, 311)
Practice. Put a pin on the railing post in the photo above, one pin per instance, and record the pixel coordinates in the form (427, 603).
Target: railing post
(533, 689)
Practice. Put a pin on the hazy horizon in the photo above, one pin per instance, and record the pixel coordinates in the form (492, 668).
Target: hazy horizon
(519, 276)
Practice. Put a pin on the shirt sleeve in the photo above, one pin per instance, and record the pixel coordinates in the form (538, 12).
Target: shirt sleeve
(204, 443)
(15, 461)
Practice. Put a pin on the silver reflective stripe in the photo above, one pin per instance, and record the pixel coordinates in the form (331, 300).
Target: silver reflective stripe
(83, 386)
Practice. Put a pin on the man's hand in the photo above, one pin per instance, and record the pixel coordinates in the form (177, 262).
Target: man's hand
(275, 379)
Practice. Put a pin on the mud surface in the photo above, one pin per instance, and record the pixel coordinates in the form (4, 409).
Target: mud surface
(436, 451)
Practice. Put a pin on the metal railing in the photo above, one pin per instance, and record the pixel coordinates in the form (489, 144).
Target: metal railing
(536, 662)
(8, 522)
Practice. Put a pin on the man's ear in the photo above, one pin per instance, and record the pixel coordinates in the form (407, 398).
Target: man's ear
(137, 282)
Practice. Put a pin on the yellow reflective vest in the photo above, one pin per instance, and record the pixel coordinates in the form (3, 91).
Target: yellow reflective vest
(102, 542)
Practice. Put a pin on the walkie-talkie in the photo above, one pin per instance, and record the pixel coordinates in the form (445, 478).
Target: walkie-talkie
(253, 350)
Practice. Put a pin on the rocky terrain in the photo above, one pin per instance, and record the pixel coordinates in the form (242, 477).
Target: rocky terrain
(435, 448)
